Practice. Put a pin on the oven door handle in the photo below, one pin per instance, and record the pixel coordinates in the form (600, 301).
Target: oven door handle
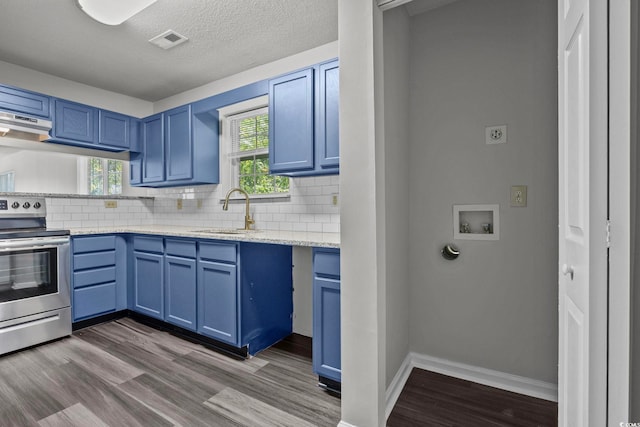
(32, 244)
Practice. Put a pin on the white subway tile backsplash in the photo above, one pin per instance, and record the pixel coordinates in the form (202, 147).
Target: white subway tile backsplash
(308, 208)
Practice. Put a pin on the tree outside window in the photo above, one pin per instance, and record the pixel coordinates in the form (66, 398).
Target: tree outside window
(250, 154)
(105, 176)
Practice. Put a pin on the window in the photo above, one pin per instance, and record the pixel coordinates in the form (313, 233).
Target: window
(7, 182)
(249, 154)
(104, 176)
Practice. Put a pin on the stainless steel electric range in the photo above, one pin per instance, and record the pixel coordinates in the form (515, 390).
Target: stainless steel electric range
(34, 276)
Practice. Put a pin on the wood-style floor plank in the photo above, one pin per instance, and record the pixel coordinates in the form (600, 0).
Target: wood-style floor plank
(124, 373)
(431, 399)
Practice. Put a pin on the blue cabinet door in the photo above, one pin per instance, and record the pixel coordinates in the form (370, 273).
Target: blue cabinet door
(148, 282)
(94, 300)
(326, 313)
(328, 140)
(114, 129)
(75, 122)
(218, 301)
(135, 168)
(25, 102)
(178, 146)
(180, 291)
(291, 122)
(152, 138)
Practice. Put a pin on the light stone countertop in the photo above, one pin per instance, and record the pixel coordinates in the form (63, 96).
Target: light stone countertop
(292, 238)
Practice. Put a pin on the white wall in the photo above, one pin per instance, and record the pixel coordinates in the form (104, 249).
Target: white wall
(476, 63)
(396, 157)
(362, 248)
(41, 172)
(36, 81)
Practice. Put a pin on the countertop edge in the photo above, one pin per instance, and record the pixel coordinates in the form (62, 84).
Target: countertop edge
(266, 236)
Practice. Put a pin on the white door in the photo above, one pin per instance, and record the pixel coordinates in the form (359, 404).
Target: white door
(582, 115)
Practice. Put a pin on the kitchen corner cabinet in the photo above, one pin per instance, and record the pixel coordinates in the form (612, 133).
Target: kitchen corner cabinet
(148, 276)
(90, 127)
(99, 275)
(304, 127)
(178, 147)
(326, 314)
(25, 102)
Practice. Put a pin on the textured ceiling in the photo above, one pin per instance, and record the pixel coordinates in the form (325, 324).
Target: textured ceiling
(225, 37)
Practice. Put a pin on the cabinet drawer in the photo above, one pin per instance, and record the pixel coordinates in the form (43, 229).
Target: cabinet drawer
(148, 244)
(94, 300)
(223, 252)
(93, 244)
(181, 248)
(94, 260)
(326, 262)
(93, 277)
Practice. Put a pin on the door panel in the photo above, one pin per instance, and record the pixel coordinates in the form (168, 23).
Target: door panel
(582, 152)
(218, 301)
(180, 291)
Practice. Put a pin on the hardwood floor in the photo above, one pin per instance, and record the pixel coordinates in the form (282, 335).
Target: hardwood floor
(124, 373)
(430, 399)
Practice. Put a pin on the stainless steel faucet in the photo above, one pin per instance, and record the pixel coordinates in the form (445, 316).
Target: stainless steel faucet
(247, 218)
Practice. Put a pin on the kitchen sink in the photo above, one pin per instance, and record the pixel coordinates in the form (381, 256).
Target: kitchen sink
(225, 231)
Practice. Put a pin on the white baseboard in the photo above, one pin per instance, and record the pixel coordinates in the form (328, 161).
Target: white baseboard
(501, 380)
(397, 384)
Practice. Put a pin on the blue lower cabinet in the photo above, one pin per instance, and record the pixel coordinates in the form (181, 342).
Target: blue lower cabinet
(99, 279)
(180, 291)
(326, 313)
(218, 301)
(148, 284)
(94, 300)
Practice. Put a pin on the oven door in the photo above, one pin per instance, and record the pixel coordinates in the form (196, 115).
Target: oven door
(34, 276)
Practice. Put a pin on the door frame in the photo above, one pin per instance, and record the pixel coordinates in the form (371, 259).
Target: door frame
(620, 211)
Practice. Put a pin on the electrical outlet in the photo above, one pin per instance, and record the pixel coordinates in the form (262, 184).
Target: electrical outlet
(199, 204)
(495, 134)
(518, 196)
(334, 199)
(110, 204)
(179, 204)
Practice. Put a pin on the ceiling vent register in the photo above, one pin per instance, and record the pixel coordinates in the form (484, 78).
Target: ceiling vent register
(168, 39)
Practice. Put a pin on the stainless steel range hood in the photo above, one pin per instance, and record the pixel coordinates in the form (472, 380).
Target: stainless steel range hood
(23, 127)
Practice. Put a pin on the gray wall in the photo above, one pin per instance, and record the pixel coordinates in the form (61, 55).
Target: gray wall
(476, 63)
(396, 155)
(635, 305)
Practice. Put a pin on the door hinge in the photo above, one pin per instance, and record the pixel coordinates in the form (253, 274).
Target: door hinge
(608, 233)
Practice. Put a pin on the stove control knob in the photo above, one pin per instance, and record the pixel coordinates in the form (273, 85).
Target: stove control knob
(26, 205)
(37, 205)
(15, 205)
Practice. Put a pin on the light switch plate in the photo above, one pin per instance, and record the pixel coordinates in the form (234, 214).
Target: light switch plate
(518, 196)
(110, 204)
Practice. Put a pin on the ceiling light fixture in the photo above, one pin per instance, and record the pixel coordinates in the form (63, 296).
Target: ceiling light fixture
(113, 12)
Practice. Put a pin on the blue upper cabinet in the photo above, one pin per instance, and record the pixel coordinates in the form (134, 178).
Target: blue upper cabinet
(74, 122)
(115, 130)
(291, 122)
(24, 102)
(328, 142)
(178, 147)
(90, 127)
(152, 139)
(303, 116)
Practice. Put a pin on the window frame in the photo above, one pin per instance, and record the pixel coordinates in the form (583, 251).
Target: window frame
(85, 176)
(229, 164)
